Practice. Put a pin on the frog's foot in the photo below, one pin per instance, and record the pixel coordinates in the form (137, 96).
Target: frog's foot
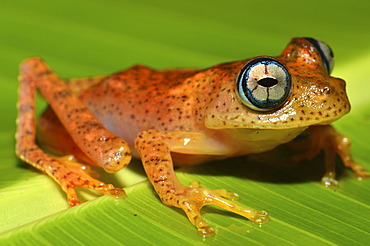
(66, 172)
(336, 143)
(192, 199)
(359, 171)
(327, 139)
(344, 152)
(75, 175)
(88, 183)
(329, 180)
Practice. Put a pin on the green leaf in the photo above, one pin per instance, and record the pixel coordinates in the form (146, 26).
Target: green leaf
(81, 38)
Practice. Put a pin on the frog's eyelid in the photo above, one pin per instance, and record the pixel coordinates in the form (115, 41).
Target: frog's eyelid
(264, 84)
(326, 53)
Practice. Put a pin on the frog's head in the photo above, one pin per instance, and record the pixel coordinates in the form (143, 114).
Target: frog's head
(292, 90)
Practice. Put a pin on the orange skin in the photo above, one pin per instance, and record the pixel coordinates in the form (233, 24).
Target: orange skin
(178, 116)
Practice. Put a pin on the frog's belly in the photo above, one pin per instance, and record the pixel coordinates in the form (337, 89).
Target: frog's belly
(253, 141)
(235, 142)
(220, 143)
(124, 128)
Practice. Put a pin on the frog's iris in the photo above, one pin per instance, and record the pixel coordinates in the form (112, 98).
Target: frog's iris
(264, 84)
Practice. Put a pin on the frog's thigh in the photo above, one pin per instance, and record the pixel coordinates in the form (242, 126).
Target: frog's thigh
(53, 137)
(103, 147)
(154, 149)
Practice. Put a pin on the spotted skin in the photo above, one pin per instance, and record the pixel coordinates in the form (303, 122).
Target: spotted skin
(102, 146)
(176, 117)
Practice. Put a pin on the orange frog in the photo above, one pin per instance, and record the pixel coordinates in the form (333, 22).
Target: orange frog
(183, 117)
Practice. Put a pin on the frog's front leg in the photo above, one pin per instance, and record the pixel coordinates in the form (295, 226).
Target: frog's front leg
(154, 148)
(100, 145)
(326, 138)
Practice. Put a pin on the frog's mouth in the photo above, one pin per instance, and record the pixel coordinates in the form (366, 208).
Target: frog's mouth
(296, 119)
(291, 115)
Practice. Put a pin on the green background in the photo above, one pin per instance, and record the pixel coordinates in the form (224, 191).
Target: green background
(82, 38)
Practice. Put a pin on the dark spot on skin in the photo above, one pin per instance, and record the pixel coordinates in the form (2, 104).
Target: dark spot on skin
(25, 108)
(89, 124)
(62, 94)
(28, 150)
(28, 132)
(45, 72)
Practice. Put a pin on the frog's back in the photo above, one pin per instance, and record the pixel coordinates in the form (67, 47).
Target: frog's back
(140, 98)
(142, 79)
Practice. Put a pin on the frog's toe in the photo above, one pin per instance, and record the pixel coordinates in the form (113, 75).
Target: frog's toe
(228, 194)
(260, 217)
(359, 171)
(191, 200)
(72, 197)
(329, 181)
(363, 174)
(231, 195)
(72, 174)
(206, 231)
(192, 210)
(71, 182)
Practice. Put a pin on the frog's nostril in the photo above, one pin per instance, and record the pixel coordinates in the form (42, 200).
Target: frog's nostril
(267, 82)
(326, 90)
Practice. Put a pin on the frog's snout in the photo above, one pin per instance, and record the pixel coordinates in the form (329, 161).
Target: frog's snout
(339, 86)
(332, 101)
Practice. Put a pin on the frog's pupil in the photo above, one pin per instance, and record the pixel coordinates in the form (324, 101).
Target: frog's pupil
(267, 82)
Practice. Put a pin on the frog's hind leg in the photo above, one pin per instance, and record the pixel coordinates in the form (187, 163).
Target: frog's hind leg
(155, 154)
(326, 138)
(100, 145)
(54, 138)
(337, 143)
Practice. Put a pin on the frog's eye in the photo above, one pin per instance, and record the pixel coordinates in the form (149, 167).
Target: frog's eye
(264, 84)
(326, 54)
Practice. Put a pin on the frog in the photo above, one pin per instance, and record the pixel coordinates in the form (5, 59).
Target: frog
(180, 117)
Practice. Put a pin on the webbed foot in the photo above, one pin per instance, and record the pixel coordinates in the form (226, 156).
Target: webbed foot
(79, 175)
(192, 199)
